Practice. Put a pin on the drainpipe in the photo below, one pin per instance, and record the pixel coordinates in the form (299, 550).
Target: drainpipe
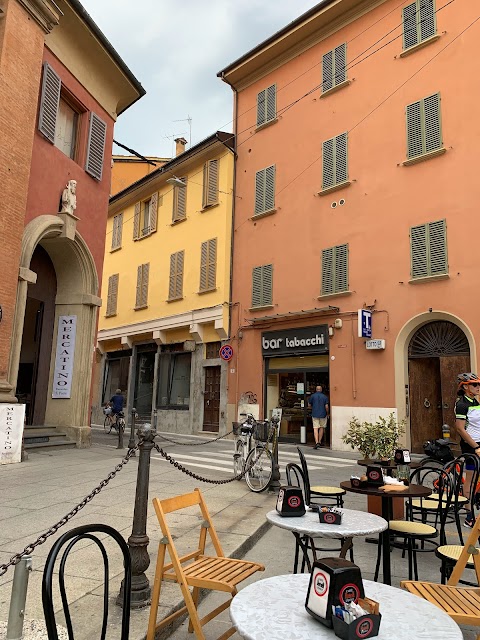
(354, 377)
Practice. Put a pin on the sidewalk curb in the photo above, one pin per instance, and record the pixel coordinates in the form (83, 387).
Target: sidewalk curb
(238, 553)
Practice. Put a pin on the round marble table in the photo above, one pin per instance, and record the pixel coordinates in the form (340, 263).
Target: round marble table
(354, 523)
(275, 608)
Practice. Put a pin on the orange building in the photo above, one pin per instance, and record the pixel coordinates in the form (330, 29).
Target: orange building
(356, 190)
(128, 169)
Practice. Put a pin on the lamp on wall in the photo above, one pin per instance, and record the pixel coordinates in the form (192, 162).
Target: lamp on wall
(176, 182)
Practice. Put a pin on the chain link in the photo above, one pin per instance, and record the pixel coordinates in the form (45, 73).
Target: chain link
(54, 528)
(195, 476)
(196, 444)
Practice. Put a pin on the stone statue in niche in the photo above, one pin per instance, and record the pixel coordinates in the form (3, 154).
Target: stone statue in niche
(69, 198)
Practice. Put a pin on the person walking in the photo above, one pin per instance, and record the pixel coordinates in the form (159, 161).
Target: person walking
(467, 422)
(320, 411)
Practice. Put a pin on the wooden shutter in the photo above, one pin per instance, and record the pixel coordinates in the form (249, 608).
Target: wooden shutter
(410, 27)
(414, 130)
(327, 71)
(261, 110)
(180, 201)
(204, 267)
(437, 245)
(433, 130)
(208, 266)
(271, 106)
(112, 295)
(96, 146)
(138, 297)
(340, 62)
(328, 163)
(175, 290)
(335, 161)
(262, 286)
(424, 129)
(341, 164)
(265, 190)
(136, 221)
(260, 191)
(418, 249)
(153, 212)
(428, 23)
(141, 300)
(341, 268)
(49, 101)
(117, 231)
(328, 271)
(210, 183)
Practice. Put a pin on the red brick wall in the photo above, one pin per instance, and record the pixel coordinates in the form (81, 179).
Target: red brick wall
(21, 50)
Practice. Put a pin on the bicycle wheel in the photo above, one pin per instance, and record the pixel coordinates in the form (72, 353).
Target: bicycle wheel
(239, 458)
(107, 424)
(259, 476)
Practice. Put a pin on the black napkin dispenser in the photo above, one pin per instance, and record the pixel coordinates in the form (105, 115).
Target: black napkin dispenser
(363, 627)
(330, 517)
(290, 502)
(402, 456)
(375, 476)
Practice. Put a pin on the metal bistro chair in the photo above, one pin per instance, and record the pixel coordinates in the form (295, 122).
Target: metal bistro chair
(328, 495)
(85, 532)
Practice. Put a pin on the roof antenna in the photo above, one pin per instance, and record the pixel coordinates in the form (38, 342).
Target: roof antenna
(189, 120)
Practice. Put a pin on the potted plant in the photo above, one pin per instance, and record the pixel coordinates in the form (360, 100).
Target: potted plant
(375, 439)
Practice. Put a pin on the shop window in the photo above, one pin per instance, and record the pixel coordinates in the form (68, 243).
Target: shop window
(424, 128)
(335, 270)
(144, 376)
(334, 68)
(428, 246)
(174, 380)
(212, 349)
(419, 22)
(267, 105)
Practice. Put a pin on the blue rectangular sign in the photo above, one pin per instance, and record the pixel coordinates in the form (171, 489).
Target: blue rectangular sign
(364, 323)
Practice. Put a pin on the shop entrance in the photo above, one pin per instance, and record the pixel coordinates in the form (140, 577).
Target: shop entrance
(211, 399)
(438, 352)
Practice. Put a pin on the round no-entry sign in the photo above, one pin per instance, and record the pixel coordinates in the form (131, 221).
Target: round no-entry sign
(226, 352)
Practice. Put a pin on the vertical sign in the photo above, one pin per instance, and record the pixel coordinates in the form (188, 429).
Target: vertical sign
(12, 418)
(364, 323)
(64, 357)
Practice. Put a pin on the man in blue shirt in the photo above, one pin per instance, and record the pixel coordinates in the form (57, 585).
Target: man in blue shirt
(116, 402)
(320, 410)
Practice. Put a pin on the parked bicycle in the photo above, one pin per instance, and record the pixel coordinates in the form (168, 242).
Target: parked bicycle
(254, 450)
(245, 435)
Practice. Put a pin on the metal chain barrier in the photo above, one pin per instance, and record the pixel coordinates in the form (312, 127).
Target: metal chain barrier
(53, 529)
(196, 444)
(195, 476)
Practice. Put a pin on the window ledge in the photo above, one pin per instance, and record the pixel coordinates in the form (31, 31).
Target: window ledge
(334, 295)
(424, 156)
(263, 308)
(115, 249)
(337, 87)
(420, 45)
(175, 222)
(142, 237)
(174, 299)
(264, 125)
(144, 306)
(264, 214)
(110, 315)
(200, 293)
(336, 187)
(440, 276)
(209, 206)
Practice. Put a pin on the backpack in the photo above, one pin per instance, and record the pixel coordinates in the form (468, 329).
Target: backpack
(438, 450)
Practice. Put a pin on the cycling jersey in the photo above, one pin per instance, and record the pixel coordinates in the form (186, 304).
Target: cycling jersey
(468, 409)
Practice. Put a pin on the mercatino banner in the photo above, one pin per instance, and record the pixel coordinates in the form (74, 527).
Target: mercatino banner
(12, 418)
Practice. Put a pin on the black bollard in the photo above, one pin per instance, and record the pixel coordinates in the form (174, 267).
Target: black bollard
(120, 435)
(274, 484)
(138, 541)
(131, 442)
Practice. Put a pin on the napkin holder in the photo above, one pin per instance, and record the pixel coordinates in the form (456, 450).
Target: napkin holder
(374, 476)
(358, 483)
(330, 517)
(333, 582)
(290, 503)
(402, 456)
(363, 627)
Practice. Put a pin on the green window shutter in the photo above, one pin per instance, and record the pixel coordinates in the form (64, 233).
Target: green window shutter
(49, 101)
(112, 295)
(96, 146)
(257, 287)
(210, 183)
(335, 161)
(179, 274)
(260, 191)
(328, 163)
(180, 201)
(428, 23)
(437, 245)
(138, 296)
(271, 106)
(261, 107)
(136, 221)
(341, 268)
(327, 71)
(265, 190)
(212, 263)
(262, 286)
(410, 25)
(340, 62)
(172, 279)
(328, 257)
(117, 231)
(424, 128)
(418, 251)
(153, 212)
(204, 267)
(433, 129)
(144, 292)
(341, 164)
(414, 130)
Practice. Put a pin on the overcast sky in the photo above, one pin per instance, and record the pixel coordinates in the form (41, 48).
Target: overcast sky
(175, 48)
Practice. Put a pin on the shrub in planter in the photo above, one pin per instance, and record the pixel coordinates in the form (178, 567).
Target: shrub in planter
(378, 438)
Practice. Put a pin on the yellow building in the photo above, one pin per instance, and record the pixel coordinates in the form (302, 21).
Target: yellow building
(166, 290)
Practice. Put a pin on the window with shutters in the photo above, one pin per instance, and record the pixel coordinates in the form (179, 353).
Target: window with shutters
(265, 191)
(428, 249)
(210, 184)
(175, 288)
(146, 216)
(267, 106)
(180, 202)
(419, 22)
(141, 300)
(66, 129)
(424, 127)
(97, 133)
(208, 266)
(335, 270)
(335, 162)
(117, 232)
(262, 286)
(334, 68)
(112, 296)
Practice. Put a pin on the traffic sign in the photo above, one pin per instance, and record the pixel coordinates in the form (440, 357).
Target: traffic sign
(226, 352)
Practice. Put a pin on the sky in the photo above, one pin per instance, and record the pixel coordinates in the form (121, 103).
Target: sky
(175, 48)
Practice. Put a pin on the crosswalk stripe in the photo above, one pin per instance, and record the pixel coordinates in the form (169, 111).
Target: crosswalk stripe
(202, 466)
(283, 458)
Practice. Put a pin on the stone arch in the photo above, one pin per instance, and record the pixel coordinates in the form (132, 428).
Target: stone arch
(77, 294)
(402, 343)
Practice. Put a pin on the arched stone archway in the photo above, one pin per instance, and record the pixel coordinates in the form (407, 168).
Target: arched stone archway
(77, 295)
(402, 380)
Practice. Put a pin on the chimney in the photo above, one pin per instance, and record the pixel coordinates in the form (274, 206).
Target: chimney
(180, 146)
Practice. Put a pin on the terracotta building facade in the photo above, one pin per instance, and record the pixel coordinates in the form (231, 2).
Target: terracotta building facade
(355, 177)
(56, 155)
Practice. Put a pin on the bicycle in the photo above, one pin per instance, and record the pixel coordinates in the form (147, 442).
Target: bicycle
(244, 431)
(114, 421)
(109, 421)
(260, 459)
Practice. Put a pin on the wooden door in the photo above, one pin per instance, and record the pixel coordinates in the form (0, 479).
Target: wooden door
(450, 367)
(211, 399)
(425, 401)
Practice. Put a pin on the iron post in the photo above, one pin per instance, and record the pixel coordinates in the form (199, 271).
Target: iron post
(16, 613)
(138, 540)
(274, 484)
(132, 442)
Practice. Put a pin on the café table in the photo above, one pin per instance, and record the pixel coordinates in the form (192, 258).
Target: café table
(354, 523)
(274, 608)
(412, 491)
(390, 466)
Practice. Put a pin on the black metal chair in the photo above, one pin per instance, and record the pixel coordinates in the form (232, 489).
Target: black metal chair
(323, 493)
(85, 532)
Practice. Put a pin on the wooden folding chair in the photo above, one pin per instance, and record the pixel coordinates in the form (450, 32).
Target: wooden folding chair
(195, 569)
(461, 603)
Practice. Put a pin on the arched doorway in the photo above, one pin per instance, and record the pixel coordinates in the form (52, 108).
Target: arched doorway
(437, 352)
